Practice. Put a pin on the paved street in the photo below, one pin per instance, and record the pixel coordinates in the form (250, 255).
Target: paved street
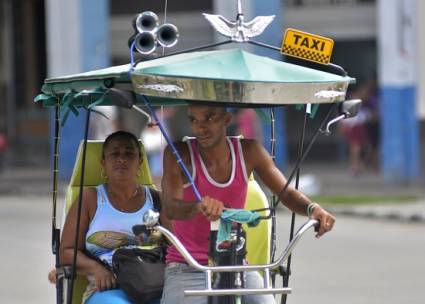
(362, 261)
(26, 256)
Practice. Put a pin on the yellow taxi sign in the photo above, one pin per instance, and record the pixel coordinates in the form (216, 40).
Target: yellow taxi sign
(307, 46)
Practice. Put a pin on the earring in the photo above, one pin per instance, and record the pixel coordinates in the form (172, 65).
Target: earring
(103, 174)
(139, 173)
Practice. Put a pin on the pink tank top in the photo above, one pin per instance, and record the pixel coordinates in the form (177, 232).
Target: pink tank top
(194, 233)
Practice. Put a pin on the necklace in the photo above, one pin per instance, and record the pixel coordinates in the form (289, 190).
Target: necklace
(133, 195)
(136, 192)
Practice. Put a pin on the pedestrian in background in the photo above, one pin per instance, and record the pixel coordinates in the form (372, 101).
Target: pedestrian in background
(355, 133)
(3, 148)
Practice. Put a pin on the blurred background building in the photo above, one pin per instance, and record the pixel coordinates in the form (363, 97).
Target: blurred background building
(41, 38)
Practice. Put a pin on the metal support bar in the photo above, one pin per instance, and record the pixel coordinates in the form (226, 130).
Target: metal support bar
(330, 123)
(273, 198)
(80, 203)
(237, 292)
(55, 229)
(208, 275)
(236, 268)
(55, 176)
(143, 113)
(267, 278)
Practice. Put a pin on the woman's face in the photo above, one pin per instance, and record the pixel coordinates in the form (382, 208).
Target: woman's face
(121, 159)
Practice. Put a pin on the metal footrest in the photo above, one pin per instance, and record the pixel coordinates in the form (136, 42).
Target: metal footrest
(238, 292)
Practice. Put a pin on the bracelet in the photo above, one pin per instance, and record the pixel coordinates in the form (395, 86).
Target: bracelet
(310, 208)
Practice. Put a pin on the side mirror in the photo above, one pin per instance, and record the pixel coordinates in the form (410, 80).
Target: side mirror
(347, 109)
(350, 108)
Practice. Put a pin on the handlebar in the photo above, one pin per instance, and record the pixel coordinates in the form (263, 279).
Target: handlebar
(312, 223)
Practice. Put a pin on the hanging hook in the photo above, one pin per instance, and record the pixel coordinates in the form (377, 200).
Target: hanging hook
(347, 109)
(149, 123)
(327, 131)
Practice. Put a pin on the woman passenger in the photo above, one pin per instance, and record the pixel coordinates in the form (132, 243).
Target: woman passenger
(109, 211)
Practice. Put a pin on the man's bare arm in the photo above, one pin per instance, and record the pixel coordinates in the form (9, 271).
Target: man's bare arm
(293, 199)
(275, 180)
(172, 190)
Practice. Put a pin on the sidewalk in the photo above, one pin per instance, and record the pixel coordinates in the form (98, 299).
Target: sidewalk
(37, 181)
(405, 212)
(332, 180)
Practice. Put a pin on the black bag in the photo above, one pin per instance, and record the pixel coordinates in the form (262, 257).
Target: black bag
(140, 272)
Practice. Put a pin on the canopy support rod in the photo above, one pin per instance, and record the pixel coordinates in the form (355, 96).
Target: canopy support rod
(285, 282)
(55, 174)
(273, 199)
(305, 153)
(173, 148)
(55, 229)
(239, 8)
(143, 113)
(80, 203)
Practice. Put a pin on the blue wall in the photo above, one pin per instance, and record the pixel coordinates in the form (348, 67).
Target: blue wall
(400, 134)
(398, 73)
(94, 50)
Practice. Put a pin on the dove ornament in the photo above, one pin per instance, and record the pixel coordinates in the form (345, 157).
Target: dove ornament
(239, 30)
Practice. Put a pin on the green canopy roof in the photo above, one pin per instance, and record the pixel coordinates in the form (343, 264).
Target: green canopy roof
(231, 76)
(236, 65)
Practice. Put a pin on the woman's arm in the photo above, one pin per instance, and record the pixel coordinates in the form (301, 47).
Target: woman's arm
(86, 266)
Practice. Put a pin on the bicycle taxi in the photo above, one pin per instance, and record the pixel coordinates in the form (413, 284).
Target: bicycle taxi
(232, 78)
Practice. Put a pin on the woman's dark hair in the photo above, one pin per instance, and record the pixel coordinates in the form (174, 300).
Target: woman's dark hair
(121, 135)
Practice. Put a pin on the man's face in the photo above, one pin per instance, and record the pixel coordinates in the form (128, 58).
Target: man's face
(208, 124)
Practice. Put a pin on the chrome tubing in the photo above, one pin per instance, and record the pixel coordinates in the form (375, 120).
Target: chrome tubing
(192, 262)
(237, 292)
(209, 270)
(327, 131)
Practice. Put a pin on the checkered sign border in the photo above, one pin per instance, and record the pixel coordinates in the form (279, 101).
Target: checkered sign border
(306, 54)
